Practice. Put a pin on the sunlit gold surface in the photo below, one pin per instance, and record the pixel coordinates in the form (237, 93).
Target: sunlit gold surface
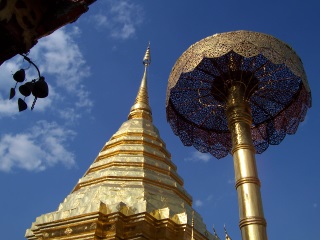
(141, 108)
(131, 191)
(120, 225)
(252, 221)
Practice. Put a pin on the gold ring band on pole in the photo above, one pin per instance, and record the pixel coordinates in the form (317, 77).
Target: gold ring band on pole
(252, 220)
(243, 146)
(244, 180)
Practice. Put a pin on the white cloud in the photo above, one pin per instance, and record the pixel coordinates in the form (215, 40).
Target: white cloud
(7, 107)
(62, 64)
(101, 20)
(7, 69)
(69, 114)
(37, 149)
(198, 156)
(198, 203)
(121, 17)
(75, 31)
(62, 57)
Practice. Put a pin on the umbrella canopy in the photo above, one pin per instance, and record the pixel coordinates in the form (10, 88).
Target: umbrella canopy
(273, 77)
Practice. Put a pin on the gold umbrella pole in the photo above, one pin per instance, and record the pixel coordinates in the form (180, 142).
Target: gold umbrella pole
(252, 222)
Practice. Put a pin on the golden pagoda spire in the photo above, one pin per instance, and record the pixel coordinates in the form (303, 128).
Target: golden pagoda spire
(141, 107)
(131, 189)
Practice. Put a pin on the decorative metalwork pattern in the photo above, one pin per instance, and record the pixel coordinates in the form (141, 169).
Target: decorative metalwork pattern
(68, 231)
(275, 86)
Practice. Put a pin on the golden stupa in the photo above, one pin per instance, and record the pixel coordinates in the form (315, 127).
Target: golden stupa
(130, 191)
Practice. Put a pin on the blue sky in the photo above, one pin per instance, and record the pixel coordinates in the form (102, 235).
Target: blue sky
(94, 67)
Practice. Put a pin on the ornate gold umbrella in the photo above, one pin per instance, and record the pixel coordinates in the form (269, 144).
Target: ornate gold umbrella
(238, 92)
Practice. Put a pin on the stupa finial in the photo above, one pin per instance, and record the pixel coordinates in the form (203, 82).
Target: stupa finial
(141, 107)
(147, 58)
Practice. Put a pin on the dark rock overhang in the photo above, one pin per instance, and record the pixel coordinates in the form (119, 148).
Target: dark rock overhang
(23, 22)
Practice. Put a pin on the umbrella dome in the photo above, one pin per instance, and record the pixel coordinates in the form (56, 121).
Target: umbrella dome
(271, 73)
